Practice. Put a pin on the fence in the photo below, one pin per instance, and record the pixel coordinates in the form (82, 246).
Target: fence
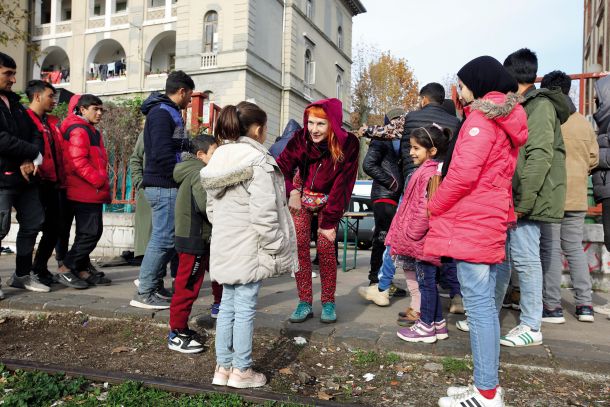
(123, 195)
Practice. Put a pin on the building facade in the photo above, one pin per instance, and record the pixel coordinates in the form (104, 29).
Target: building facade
(596, 37)
(282, 54)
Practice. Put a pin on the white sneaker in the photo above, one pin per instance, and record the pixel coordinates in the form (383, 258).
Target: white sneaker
(372, 293)
(221, 376)
(470, 396)
(602, 309)
(314, 274)
(1, 294)
(245, 379)
(462, 325)
(136, 282)
(520, 336)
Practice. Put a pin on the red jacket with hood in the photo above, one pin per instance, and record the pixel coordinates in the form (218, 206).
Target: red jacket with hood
(473, 207)
(52, 168)
(409, 228)
(323, 175)
(85, 159)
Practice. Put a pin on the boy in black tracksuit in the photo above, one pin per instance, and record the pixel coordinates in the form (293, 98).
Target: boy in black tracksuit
(193, 232)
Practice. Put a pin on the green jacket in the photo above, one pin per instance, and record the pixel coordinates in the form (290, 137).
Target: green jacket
(193, 230)
(539, 183)
(143, 219)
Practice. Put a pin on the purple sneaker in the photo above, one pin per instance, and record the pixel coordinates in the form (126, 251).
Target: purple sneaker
(441, 329)
(419, 332)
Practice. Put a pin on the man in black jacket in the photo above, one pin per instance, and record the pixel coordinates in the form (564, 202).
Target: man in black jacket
(164, 140)
(21, 146)
(382, 164)
(431, 98)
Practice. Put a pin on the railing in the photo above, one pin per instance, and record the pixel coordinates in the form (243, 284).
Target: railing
(208, 60)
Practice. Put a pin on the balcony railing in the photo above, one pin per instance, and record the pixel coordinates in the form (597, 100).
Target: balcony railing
(208, 60)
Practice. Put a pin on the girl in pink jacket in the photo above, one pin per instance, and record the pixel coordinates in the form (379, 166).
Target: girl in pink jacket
(409, 228)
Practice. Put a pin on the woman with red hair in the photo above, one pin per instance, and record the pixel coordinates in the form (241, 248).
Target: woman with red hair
(320, 164)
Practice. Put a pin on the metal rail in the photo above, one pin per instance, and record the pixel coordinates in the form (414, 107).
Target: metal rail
(173, 386)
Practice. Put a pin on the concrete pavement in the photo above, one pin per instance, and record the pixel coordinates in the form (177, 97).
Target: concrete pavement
(574, 345)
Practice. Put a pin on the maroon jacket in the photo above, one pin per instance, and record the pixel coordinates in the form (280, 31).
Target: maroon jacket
(322, 175)
(85, 159)
(52, 168)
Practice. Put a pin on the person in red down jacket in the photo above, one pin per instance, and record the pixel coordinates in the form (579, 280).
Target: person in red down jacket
(472, 209)
(326, 159)
(87, 186)
(41, 95)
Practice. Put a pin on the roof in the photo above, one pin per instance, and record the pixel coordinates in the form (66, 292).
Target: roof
(355, 6)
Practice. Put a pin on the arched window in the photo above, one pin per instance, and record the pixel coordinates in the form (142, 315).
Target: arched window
(307, 75)
(339, 87)
(210, 32)
(309, 8)
(340, 38)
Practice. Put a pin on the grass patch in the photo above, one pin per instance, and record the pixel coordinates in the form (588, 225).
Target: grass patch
(363, 358)
(22, 389)
(453, 365)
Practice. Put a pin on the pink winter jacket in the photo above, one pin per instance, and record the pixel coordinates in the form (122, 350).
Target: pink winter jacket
(409, 227)
(472, 208)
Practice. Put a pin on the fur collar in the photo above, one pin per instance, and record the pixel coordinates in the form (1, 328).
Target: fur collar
(494, 110)
(227, 179)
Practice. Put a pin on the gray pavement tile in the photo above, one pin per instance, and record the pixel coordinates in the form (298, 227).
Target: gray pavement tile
(71, 302)
(102, 308)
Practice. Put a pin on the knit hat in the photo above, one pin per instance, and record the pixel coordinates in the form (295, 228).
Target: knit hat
(485, 74)
(395, 112)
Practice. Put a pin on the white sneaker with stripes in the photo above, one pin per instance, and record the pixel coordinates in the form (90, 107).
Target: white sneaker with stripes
(520, 336)
(470, 397)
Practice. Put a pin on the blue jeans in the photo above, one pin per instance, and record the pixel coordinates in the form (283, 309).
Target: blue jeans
(386, 271)
(524, 253)
(430, 302)
(448, 279)
(160, 249)
(478, 284)
(235, 325)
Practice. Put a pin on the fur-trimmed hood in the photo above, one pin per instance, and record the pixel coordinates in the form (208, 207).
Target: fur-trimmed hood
(232, 164)
(500, 108)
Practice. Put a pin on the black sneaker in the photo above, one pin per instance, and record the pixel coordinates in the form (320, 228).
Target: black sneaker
(584, 313)
(184, 341)
(553, 316)
(164, 293)
(29, 282)
(70, 280)
(149, 301)
(396, 291)
(46, 278)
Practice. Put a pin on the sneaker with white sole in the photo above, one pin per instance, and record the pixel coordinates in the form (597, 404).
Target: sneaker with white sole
(520, 336)
(71, 280)
(553, 316)
(372, 293)
(462, 325)
(221, 376)
(584, 313)
(29, 282)
(245, 379)
(1, 294)
(602, 309)
(149, 301)
(184, 341)
(419, 332)
(461, 396)
(442, 332)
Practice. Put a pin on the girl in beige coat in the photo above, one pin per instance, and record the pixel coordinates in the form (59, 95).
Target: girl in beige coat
(253, 236)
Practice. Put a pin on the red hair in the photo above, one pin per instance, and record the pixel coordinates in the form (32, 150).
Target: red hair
(333, 143)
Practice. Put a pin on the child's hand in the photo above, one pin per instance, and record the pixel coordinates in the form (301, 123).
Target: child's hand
(329, 234)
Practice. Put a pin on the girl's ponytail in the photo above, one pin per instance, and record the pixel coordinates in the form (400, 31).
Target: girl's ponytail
(227, 124)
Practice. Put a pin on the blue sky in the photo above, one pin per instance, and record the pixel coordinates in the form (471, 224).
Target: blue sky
(438, 37)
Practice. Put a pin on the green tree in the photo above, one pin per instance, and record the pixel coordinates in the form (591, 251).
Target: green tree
(12, 28)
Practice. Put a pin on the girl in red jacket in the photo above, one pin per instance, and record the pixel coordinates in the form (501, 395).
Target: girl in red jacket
(326, 157)
(409, 228)
(471, 211)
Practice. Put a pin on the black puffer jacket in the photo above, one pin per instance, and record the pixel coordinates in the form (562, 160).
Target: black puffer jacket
(601, 174)
(431, 113)
(382, 163)
(19, 141)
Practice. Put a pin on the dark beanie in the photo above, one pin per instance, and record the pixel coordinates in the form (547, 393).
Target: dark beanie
(486, 74)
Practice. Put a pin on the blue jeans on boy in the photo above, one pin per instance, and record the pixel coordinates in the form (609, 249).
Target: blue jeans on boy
(160, 249)
(386, 271)
(524, 253)
(430, 301)
(235, 325)
(478, 285)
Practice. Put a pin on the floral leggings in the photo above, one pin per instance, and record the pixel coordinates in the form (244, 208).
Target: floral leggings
(326, 255)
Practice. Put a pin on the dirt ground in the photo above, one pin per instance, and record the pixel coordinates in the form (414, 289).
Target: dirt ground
(323, 371)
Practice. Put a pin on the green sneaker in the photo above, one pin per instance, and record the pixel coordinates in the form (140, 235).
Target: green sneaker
(302, 312)
(328, 313)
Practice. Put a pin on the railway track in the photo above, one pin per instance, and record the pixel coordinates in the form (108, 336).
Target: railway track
(174, 386)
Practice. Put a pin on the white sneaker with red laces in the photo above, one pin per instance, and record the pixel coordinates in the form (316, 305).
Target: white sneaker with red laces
(470, 397)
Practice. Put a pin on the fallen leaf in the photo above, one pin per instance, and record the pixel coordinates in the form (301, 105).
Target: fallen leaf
(120, 349)
(394, 383)
(285, 371)
(3, 320)
(324, 396)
